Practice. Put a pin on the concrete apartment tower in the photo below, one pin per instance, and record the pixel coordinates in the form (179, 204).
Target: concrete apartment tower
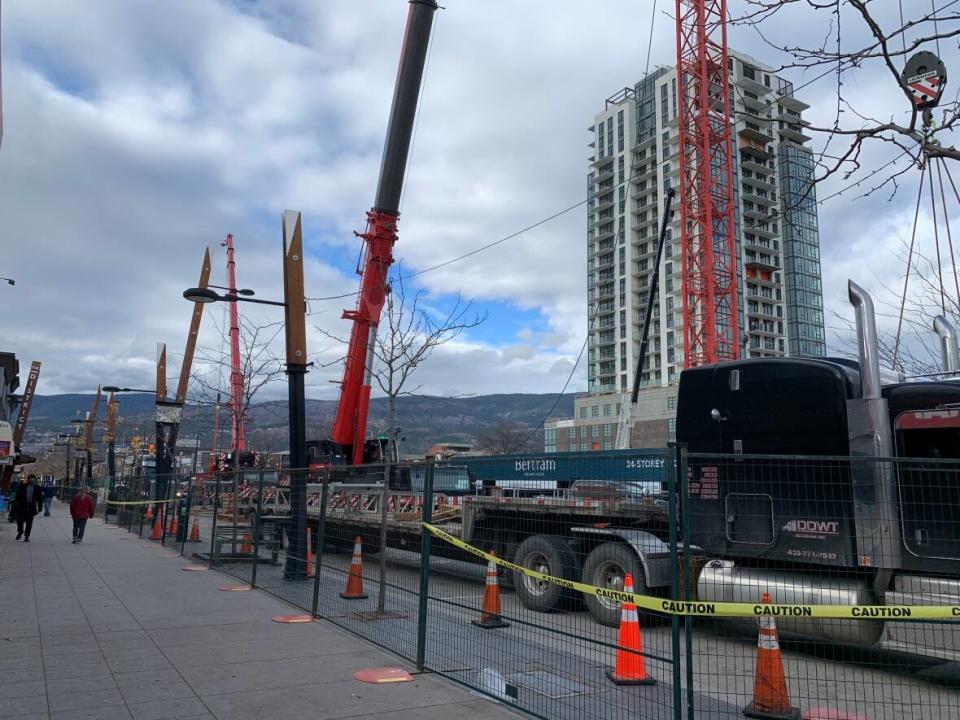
(780, 301)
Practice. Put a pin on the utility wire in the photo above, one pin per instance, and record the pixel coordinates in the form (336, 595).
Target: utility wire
(596, 306)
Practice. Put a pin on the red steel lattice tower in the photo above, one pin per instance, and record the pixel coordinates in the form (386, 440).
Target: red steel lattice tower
(710, 318)
(238, 437)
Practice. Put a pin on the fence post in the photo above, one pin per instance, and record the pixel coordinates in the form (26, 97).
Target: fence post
(213, 527)
(184, 532)
(385, 499)
(321, 537)
(672, 474)
(256, 531)
(684, 486)
(425, 540)
(166, 513)
(139, 515)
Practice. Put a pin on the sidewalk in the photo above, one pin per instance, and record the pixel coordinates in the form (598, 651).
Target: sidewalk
(113, 628)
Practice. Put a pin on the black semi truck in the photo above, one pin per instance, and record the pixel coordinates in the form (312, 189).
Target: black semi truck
(842, 522)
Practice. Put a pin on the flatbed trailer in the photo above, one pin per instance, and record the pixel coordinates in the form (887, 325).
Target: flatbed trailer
(572, 534)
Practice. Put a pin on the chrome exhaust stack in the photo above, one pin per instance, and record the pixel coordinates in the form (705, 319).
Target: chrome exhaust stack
(870, 437)
(866, 340)
(948, 344)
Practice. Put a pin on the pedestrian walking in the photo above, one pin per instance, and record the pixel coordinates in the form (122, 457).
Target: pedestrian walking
(49, 491)
(81, 510)
(27, 501)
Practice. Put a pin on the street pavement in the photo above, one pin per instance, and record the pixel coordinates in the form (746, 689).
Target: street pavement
(114, 628)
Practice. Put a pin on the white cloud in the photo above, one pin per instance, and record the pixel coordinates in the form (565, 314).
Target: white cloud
(138, 134)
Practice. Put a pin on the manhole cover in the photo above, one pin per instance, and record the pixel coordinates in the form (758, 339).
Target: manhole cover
(549, 684)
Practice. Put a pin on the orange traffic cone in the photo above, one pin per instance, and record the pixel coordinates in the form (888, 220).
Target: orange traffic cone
(354, 590)
(631, 667)
(157, 533)
(771, 701)
(490, 612)
(245, 546)
(148, 515)
(173, 525)
(195, 531)
(309, 554)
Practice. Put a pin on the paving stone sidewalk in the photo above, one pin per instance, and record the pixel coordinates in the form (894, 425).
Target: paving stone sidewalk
(113, 628)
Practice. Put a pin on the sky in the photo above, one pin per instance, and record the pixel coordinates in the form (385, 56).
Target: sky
(137, 135)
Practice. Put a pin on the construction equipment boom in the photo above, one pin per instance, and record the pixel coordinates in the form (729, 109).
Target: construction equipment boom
(350, 422)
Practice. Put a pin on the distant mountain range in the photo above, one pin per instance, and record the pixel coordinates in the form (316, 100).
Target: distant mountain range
(423, 420)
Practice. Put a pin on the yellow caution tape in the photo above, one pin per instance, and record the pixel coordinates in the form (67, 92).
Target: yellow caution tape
(143, 502)
(719, 609)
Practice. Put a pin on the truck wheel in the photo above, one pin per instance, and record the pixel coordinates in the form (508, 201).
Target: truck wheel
(606, 566)
(551, 555)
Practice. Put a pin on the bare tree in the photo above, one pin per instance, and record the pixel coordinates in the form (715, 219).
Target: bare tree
(260, 365)
(914, 349)
(856, 39)
(409, 333)
(505, 438)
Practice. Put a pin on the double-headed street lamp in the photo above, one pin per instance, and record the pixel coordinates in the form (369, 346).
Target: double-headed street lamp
(295, 308)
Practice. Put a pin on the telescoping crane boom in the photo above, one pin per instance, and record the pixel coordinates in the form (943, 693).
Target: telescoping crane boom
(350, 422)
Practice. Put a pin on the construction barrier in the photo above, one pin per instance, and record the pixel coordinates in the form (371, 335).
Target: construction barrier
(718, 609)
(443, 580)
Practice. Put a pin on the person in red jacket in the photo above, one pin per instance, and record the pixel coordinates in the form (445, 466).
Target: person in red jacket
(81, 510)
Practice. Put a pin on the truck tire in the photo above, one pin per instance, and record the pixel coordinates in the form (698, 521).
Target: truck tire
(548, 554)
(606, 566)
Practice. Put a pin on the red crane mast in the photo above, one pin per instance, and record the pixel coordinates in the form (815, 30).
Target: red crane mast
(709, 258)
(238, 441)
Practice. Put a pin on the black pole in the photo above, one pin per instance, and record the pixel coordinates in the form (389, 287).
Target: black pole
(111, 477)
(89, 468)
(651, 296)
(66, 475)
(296, 567)
(403, 110)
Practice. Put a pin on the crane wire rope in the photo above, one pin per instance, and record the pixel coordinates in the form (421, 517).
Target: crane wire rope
(416, 116)
(906, 277)
(953, 257)
(936, 243)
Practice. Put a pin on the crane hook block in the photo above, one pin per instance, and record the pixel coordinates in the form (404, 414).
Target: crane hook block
(924, 77)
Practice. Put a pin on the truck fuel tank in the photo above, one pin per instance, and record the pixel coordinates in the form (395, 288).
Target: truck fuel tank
(723, 581)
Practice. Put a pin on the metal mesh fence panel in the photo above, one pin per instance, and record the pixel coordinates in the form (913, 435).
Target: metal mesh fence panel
(581, 518)
(870, 534)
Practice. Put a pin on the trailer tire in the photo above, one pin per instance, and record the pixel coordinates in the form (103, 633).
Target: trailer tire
(606, 566)
(550, 554)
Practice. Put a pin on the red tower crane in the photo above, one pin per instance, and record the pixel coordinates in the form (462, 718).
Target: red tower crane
(709, 258)
(238, 440)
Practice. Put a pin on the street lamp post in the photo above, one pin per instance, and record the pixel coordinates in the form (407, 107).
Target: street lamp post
(296, 348)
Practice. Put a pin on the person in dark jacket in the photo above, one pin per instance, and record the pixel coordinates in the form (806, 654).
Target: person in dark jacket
(81, 510)
(27, 502)
(49, 491)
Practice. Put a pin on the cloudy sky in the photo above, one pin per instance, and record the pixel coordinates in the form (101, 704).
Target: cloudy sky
(141, 132)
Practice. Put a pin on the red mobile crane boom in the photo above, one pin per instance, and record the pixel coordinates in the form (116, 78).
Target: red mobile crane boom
(350, 422)
(710, 319)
